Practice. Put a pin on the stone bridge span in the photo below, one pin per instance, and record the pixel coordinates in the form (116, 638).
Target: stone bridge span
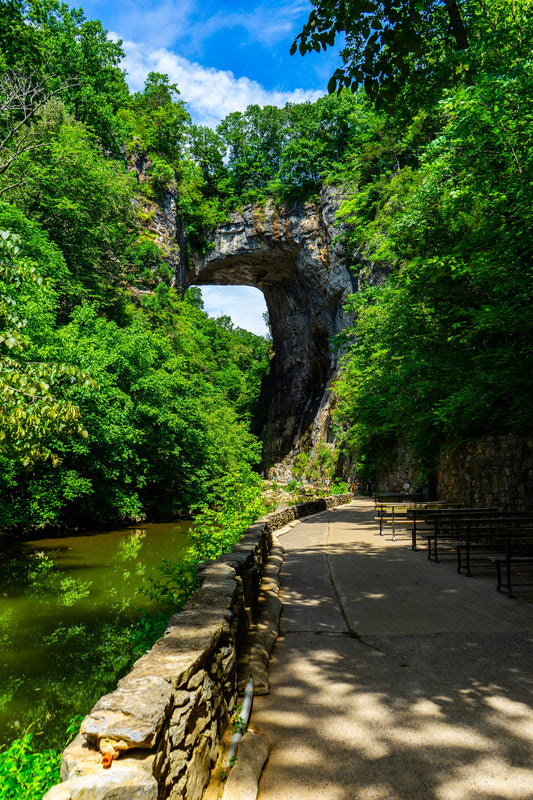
(291, 255)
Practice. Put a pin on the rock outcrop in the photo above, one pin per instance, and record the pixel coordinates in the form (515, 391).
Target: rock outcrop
(292, 256)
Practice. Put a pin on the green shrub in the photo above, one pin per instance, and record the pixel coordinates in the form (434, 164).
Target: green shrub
(339, 487)
(26, 774)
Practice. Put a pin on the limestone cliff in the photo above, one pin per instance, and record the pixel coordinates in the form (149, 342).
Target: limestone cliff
(292, 256)
(160, 217)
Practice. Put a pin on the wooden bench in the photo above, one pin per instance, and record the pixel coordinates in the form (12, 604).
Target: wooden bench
(519, 553)
(450, 526)
(396, 497)
(489, 538)
(422, 516)
(504, 538)
(400, 514)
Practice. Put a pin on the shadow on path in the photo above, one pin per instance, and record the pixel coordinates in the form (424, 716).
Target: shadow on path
(397, 714)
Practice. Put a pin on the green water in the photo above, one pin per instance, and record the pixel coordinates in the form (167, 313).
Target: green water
(66, 609)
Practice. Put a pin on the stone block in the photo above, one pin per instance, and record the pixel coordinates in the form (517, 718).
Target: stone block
(78, 758)
(128, 778)
(177, 734)
(132, 715)
(197, 725)
(198, 772)
(177, 791)
(181, 699)
(243, 780)
(196, 680)
(178, 764)
(184, 711)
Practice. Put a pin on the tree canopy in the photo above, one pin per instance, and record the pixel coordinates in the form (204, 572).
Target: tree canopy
(424, 44)
(433, 154)
(438, 200)
(121, 398)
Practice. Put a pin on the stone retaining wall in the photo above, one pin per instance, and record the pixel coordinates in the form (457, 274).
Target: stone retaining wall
(160, 729)
(496, 470)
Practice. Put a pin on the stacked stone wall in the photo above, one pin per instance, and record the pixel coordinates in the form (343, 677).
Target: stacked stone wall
(403, 469)
(493, 471)
(160, 729)
(496, 470)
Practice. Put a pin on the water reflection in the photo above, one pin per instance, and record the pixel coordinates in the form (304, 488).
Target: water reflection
(66, 607)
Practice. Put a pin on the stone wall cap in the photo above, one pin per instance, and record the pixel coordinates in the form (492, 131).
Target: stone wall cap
(132, 715)
(125, 780)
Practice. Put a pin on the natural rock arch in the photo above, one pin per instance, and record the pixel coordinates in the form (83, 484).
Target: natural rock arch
(291, 255)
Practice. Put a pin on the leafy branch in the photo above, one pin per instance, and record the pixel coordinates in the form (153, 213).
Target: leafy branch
(21, 97)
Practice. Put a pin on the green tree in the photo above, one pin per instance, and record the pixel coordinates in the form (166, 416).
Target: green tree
(60, 48)
(207, 151)
(35, 407)
(424, 43)
(82, 199)
(157, 119)
(439, 354)
(253, 141)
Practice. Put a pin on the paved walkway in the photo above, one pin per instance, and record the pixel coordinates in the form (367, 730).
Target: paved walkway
(394, 678)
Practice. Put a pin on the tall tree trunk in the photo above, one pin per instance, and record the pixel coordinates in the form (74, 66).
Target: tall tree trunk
(457, 25)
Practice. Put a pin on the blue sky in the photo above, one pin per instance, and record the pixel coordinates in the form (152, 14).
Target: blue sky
(223, 56)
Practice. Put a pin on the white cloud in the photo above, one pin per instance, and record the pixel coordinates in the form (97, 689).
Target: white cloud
(264, 24)
(210, 94)
(156, 24)
(244, 304)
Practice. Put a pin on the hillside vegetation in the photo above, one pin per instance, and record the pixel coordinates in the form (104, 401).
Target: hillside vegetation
(116, 405)
(121, 400)
(141, 401)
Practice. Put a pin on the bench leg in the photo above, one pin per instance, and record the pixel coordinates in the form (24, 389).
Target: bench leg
(499, 573)
(435, 555)
(509, 578)
(468, 570)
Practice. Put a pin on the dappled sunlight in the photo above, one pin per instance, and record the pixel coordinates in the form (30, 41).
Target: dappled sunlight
(371, 596)
(421, 733)
(427, 708)
(389, 741)
(430, 703)
(515, 717)
(487, 778)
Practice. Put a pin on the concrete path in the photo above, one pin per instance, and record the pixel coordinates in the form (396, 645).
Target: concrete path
(394, 678)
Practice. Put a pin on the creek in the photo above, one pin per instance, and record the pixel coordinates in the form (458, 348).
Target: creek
(68, 607)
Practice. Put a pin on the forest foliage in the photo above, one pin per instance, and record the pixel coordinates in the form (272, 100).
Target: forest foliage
(117, 405)
(439, 200)
(120, 398)
(430, 141)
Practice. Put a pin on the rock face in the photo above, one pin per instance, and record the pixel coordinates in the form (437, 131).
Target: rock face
(291, 255)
